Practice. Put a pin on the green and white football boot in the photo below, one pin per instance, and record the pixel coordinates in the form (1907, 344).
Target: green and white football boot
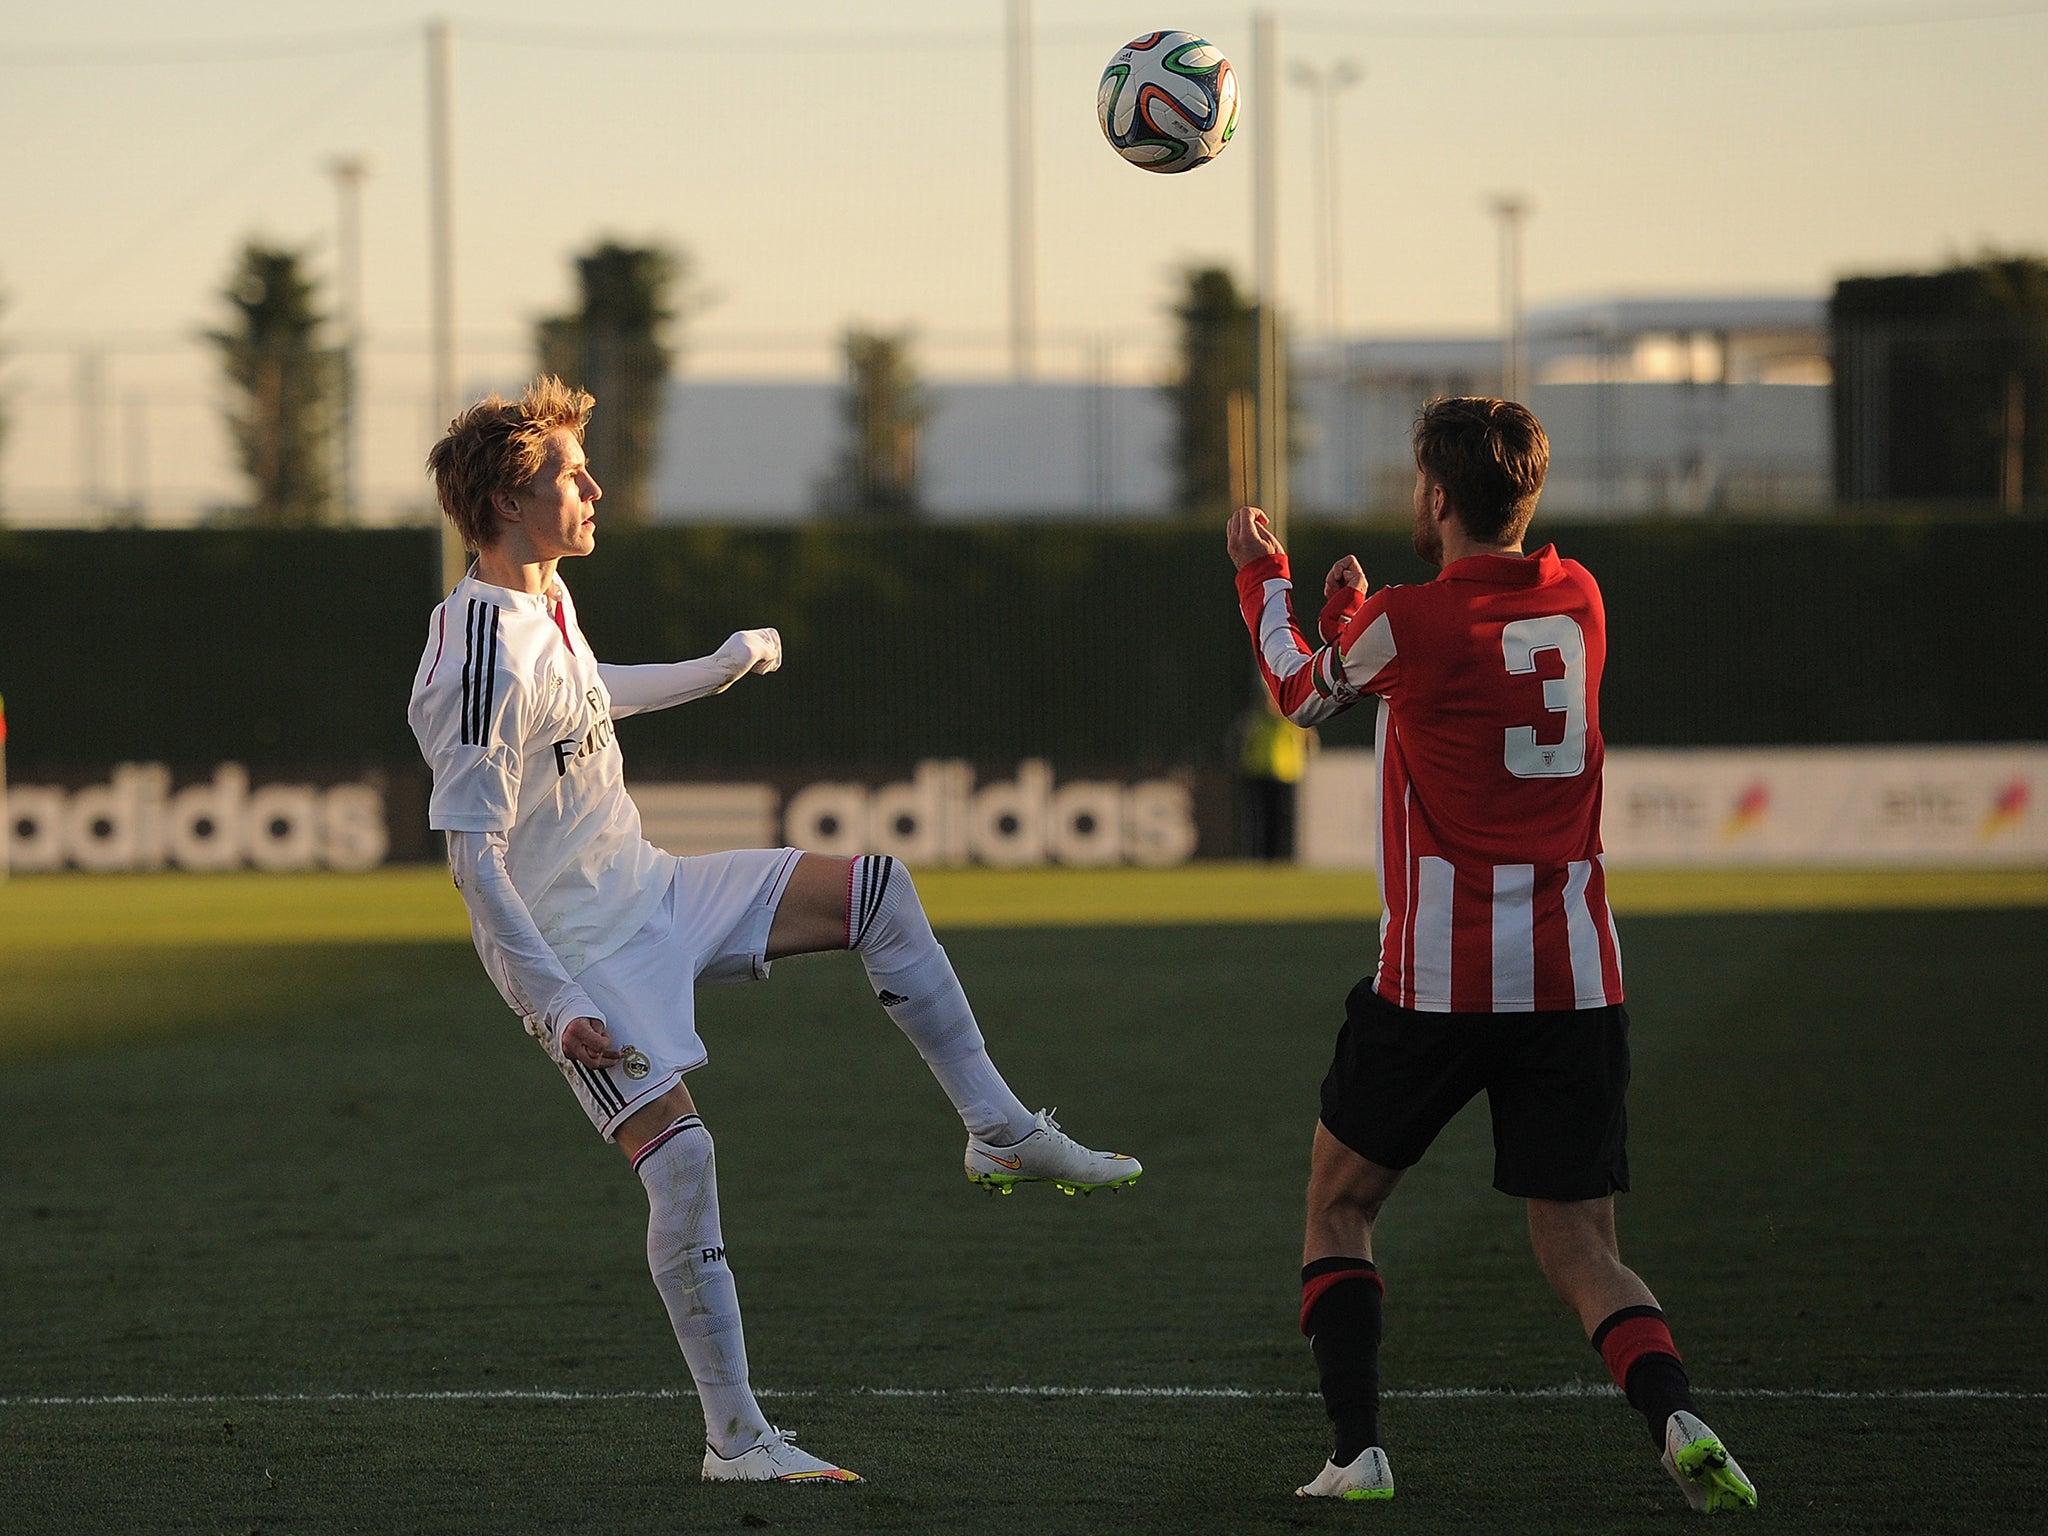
(1700, 1464)
(1048, 1155)
(1368, 1477)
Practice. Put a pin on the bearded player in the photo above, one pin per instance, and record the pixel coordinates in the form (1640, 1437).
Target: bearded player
(597, 939)
(1499, 968)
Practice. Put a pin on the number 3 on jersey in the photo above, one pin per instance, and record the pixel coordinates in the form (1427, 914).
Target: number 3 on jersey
(1520, 642)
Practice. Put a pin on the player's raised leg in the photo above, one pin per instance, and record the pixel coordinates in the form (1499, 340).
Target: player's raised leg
(870, 905)
(1341, 1301)
(1578, 1251)
(672, 1152)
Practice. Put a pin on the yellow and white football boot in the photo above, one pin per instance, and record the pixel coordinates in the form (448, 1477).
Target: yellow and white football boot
(774, 1460)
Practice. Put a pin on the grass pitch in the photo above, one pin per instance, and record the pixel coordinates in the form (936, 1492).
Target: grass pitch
(299, 1233)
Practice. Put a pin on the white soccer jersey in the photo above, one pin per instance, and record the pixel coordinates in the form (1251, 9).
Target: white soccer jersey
(516, 724)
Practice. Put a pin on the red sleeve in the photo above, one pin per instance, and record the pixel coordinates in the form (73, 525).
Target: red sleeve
(1304, 680)
(1367, 657)
(1338, 613)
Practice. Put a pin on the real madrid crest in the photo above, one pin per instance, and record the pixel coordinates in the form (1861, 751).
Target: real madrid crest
(636, 1063)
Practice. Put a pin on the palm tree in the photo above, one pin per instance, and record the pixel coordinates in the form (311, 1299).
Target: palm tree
(616, 346)
(281, 384)
(885, 410)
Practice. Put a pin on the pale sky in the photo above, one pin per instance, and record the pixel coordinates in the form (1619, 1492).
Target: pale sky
(828, 163)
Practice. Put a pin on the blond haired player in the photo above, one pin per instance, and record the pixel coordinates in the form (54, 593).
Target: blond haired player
(597, 939)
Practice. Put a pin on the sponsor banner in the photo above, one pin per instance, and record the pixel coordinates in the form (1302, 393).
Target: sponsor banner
(940, 817)
(1335, 809)
(143, 817)
(708, 818)
(139, 820)
(1898, 805)
(1761, 806)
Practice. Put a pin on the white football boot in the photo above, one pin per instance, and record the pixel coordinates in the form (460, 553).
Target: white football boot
(1700, 1464)
(1048, 1156)
(1368, 1477)
(775, 1460)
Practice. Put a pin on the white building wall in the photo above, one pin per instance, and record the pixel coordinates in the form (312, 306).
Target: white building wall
(759, 452)
(744, 452)
(1022, 450)
(1627, 449)
(1682, 406)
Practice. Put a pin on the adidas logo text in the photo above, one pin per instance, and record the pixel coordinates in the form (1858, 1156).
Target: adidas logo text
(890, 999)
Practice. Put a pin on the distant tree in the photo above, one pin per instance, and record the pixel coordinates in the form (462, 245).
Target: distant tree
(281, 384)
(885, 409)
(1941, 384)
(616, 345)
(1219, 357)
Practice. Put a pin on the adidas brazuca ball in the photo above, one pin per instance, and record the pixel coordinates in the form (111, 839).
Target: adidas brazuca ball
(1168, 101)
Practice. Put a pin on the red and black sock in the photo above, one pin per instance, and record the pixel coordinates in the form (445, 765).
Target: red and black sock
(1644, 1362)
(1340, 1313)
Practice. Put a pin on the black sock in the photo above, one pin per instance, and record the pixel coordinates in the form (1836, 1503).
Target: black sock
(1636, 1344)
(1341, 1314)
(1657, 1388)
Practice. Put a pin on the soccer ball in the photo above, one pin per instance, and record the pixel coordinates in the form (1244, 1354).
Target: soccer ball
(1168, 101)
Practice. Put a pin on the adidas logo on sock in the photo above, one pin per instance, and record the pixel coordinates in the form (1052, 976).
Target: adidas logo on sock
(890, 999)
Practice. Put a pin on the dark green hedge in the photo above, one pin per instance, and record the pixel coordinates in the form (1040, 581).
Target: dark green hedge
(1094, 646)
(277, 649)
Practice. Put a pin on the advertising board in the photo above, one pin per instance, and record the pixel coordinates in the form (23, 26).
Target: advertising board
(1806, 807)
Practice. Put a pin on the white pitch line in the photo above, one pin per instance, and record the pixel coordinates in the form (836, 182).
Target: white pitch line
(1565, 1391)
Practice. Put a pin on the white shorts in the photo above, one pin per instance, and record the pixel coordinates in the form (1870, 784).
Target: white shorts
(712, 925)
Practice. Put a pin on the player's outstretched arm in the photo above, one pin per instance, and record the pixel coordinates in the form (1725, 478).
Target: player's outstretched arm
(1298, 677)
(1249, 536)
(635, 690)
(1343, 595)
(537, 975)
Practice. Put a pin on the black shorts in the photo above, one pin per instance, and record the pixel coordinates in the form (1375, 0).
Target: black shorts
(1557, 1084)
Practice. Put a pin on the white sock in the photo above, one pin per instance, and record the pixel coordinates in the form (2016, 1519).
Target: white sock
(886, 923)
(686, 1253)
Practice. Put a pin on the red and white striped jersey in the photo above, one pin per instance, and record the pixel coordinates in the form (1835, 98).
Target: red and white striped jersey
(1490, 762)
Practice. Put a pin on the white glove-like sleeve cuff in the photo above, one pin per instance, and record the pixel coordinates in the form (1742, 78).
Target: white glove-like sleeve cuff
(570, 1003)
(752, 650)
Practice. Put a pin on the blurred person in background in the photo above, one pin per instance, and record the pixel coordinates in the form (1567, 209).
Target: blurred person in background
(1272, 760)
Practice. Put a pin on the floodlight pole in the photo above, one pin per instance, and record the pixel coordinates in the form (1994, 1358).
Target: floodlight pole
(92, 376)
(1324, 87)
(1272, 402)
(1023, 236)
(348, 172)
(1511, 210)
(441, 259)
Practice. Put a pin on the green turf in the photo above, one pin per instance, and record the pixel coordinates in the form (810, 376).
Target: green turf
(339, 1168)
(408, 903)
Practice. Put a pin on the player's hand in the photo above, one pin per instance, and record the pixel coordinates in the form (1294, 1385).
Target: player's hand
(752, 650)
(588, 1041)
(1345, 573)
(1250, 537)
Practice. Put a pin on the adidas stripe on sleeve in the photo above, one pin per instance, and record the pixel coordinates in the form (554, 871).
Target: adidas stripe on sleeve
(468, 712)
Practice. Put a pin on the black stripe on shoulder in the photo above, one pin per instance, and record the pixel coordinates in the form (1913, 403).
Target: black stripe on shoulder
(468, 668)
(490, 678)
